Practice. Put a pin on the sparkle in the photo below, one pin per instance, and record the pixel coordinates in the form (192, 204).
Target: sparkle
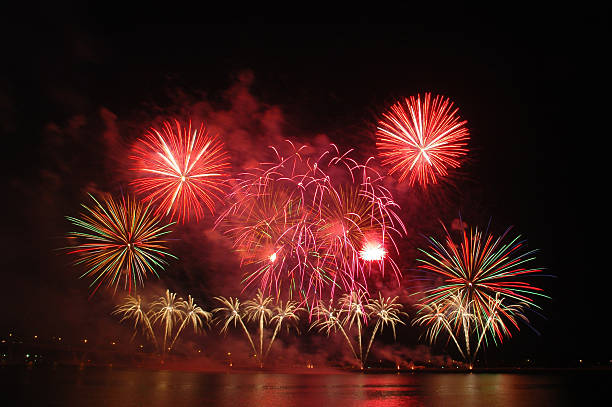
(372, 251)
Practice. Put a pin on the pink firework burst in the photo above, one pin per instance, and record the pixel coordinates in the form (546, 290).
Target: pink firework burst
(301, 222)
(181, 169)
(420, 139)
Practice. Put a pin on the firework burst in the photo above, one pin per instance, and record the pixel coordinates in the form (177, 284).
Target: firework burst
(285, 314)
(181, 169)
(192, 314)
(353, 307)
(386, 311)
(301, 222)
(259, 310)
(167, 310)
(356, 309)
(328, 319)
(481, 294)
(132, 309)
(231, 311)
(420, 139)
(119, 240)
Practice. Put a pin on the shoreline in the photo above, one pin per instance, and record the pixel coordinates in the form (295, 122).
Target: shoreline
(315, 370)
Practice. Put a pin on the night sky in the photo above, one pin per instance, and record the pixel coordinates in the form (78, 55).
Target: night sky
(72, 98)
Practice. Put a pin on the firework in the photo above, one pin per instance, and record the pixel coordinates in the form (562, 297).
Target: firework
(481, 294)
(258, 309)
(194, 315)
(372, 251)
(120, 240)
(421, 139)
(285, 314)
(352, 305)
(229, 312)
(386, 311)
(497, 322)
(300, 223)
(167, 309)
(132, 308)
(328, 320)
(274, 240)
(436, 318)
(181, 169)
(356, 310)
(357, 223)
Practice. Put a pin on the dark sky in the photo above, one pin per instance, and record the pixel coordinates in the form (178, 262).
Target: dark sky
(532, 89)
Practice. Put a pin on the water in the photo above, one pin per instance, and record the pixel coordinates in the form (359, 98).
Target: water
(91, 386)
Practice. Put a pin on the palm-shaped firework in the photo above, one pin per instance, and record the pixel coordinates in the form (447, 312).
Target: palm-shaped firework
(258, 309)
(454, 317)
(194, 315)
(356, 309)
(167, 310)
(497, 322)
(386, 312)
(353, 306)
(285, 315)
(132, 309)
(437, 319)
(328, 320)
(231, 312)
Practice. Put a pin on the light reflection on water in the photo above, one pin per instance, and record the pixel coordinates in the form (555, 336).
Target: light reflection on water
(120, 387)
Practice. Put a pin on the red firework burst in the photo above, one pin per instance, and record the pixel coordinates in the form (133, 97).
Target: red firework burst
(181, 169)
(422, 138)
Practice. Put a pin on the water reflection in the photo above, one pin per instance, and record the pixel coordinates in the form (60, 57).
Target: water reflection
(119, 387)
